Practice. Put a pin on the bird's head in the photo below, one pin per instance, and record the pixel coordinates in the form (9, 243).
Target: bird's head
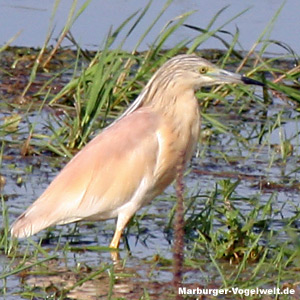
(180, 74)
(193, 71)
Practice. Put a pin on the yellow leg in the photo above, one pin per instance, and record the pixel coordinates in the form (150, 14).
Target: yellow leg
(115, 257)
(116, 239)
(121, 224)
(122, 221)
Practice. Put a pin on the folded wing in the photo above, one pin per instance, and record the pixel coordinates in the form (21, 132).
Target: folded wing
(102, 178)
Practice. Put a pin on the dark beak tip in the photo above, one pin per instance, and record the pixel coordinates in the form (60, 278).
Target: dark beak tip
(248, 80)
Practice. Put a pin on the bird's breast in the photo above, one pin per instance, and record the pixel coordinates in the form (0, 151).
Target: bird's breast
(177, 138)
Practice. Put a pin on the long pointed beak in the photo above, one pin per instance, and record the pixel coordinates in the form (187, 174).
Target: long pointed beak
(229, 77)
(248, 80)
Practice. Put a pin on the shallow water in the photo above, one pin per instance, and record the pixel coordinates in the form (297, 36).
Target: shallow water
(32, 19)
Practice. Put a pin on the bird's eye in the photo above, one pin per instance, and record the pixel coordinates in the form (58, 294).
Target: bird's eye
(203, 70)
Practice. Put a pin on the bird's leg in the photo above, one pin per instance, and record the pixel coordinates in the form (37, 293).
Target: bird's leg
(115, 242)
(115, 256)
(123, 219)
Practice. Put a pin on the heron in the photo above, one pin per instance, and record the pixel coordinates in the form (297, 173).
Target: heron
(135, 158)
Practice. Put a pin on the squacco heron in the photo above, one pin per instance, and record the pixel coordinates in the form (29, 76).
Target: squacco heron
(135, 158)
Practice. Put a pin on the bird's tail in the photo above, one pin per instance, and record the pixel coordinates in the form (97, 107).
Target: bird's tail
(29, 223)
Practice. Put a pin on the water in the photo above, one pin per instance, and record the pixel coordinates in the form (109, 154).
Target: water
(32, 19)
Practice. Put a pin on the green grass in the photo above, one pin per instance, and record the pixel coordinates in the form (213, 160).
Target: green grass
(232, 238)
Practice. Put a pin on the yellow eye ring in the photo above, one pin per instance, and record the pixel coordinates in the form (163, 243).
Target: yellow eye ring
(203, 70)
